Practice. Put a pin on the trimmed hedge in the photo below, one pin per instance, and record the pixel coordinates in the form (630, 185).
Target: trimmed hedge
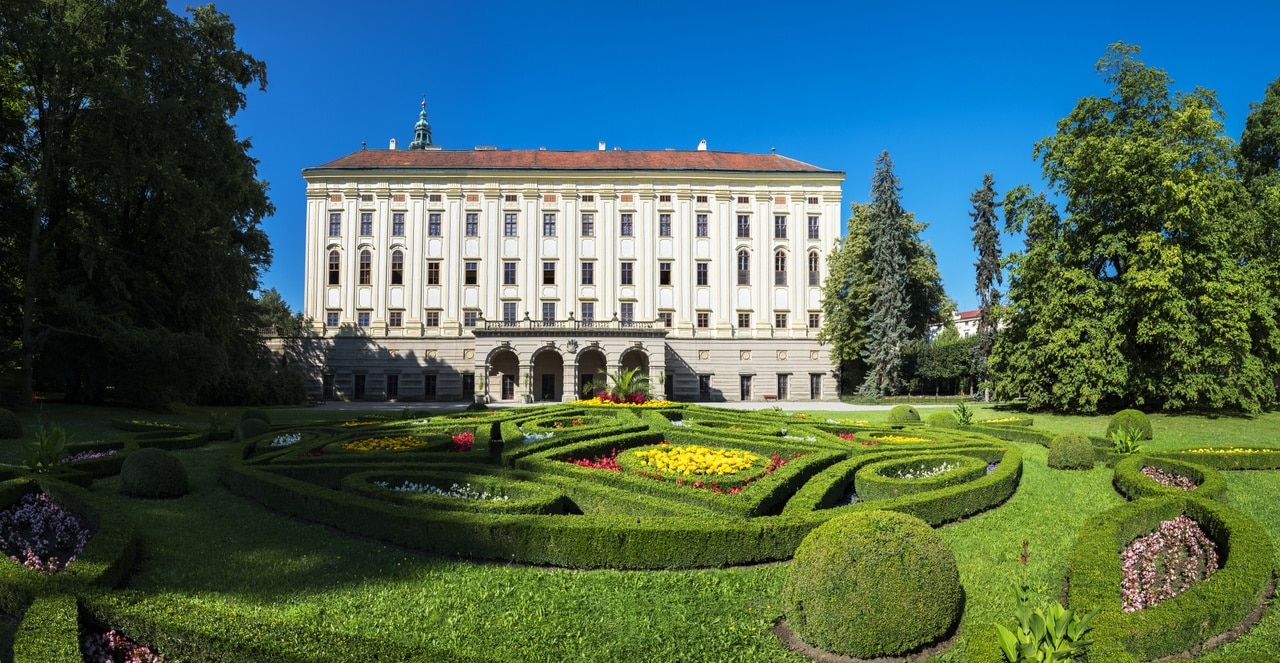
(1248, 459)
(1071, 451)
(10, 427)
(153, 473)
(1186, 621)
(903, 414)
(1132, 420)
(103, 561)
(49, 632)
(942, 420)
(251, 428)
(523, 496)
(872, 584)
(1133, 484)
(875, 481)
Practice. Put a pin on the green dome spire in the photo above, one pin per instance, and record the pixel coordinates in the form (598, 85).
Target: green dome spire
(421, 130)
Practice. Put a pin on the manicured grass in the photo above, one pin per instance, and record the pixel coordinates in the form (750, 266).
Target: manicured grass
(239, 578)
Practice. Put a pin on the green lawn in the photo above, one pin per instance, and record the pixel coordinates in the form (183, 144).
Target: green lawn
(223, 569)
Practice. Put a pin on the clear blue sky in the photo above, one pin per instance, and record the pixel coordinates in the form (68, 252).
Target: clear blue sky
(950, 89)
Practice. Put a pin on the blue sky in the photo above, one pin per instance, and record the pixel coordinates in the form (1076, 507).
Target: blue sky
(950, 89)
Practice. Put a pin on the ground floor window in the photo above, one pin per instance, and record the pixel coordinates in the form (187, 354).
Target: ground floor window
(429, 387)
(783, 379)
(704, 387)
(815, 386)
(745, 387)
(393, 387)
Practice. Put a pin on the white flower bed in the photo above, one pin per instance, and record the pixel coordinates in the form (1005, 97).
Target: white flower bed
(460, 491)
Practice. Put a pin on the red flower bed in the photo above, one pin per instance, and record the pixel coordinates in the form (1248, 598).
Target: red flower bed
(462, 442)
(609, 462)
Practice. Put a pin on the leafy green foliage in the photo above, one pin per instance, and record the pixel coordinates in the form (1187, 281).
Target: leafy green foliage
(946, 364)
(153, 472)
(903, 414)
(10, 427)
(622, 384)
(963, 415)
(1045, 635)
(49, 632)
(986, 241)
(872, 584)
(1146, 292)
(1071, 451)
(45, 451)
(1134, 420)
(1124, 441)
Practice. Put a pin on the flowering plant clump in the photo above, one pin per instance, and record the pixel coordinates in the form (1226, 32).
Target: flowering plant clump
(286, 439)
(694, 459)
(356, 424)
(1165, 563)
(384, 444)
(1231, 450)
(462, 442)
(609, 462)
(1169, 478)
(460, 491)
(922, 471)
(600, 400)
(537, 437)
(90, 455)
(114, 646)
(902, 439)
(847, 421)
(153, 424)
(39, 534)
(1005, 420)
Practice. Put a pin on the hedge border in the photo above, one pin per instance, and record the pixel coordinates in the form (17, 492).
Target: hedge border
(1133, 484)
(1261, 459)
(1184, 622)
(538, 498)
(49, 632)
(872, 485)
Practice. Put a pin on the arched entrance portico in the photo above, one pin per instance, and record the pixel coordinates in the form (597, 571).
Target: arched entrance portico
(503, 379)
(591, 368)
(634, 358)
(548, 375)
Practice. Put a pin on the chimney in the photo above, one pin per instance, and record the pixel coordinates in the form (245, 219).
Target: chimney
(601, 146)
(393, 143)
(702, 145)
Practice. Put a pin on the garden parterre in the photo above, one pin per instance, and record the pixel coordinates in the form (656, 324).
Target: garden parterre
(464, 615)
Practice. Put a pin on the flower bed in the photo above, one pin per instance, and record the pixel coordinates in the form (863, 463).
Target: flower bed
(1169, 478)
(90, 455)
(113, 646)
(386, 444)
(462, 442)
(894, 438)
(456, 490)
(1165, 563)
(41, 535)
(693, 459)
(286, 439)
(599, 401)
(888, 479)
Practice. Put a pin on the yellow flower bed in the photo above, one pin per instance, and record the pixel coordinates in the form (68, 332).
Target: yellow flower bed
(385, 444)
(353, 424)
(1226, 450)
(694, 459)
(1006, 420)
(901, 439)
(596, 402)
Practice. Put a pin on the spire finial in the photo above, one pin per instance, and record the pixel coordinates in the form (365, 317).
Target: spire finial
(421, 130)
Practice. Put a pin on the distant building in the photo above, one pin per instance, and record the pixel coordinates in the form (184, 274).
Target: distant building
(524, 274)
(966, 322)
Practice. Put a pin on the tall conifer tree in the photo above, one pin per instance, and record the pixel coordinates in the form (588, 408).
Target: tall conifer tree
(888, 330)
(986, 240)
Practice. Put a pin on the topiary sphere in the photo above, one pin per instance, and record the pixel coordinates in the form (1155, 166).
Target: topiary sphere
(255, 414)
(1131, 419)
(10, 427)
(871, 584)
(153, 472)
(252, 428)
(942, 420)
(903, 414)
(1071, 451)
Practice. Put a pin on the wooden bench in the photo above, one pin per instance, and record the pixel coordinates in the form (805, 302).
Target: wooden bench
(769, 397)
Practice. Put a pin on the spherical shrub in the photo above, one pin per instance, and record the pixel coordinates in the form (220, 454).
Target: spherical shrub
(477, 407)
(942, 420)
(1131, 419)
(252, 428)
(255, 414)
(153, 472)
(10, 427)
(872, 583)
(903, 414)
(1071, 451)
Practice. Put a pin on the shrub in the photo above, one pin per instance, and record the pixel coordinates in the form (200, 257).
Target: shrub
(903, 414)
(872, 584)
(10, 427)
(1071, 451)
(250, 428)
(1132, 420)
(153, 472)
(49, 632)
(1133, 483)
(942, 420)
(255, 414)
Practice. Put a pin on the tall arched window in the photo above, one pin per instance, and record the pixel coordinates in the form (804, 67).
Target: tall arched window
(780, 268)
(397, 267)
(366, 267)
(744, 267)
(814, 275)
(335, 265)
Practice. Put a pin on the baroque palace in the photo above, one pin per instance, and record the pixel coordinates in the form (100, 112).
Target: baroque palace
(437, 274)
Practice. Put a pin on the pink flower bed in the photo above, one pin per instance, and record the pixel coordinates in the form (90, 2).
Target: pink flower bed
(41, 535)
(1169, 478)
(462, 442)
(1165, 563)
(115, 647)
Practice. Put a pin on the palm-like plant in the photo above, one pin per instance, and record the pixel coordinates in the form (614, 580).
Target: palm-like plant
(627, 386)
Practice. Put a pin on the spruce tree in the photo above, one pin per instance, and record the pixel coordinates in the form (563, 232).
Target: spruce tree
(888, 330)
(986, 240)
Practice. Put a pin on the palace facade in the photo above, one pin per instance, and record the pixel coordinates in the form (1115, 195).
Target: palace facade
(437, 274)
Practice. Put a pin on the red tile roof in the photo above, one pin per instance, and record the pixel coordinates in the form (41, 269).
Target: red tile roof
(571, 160)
